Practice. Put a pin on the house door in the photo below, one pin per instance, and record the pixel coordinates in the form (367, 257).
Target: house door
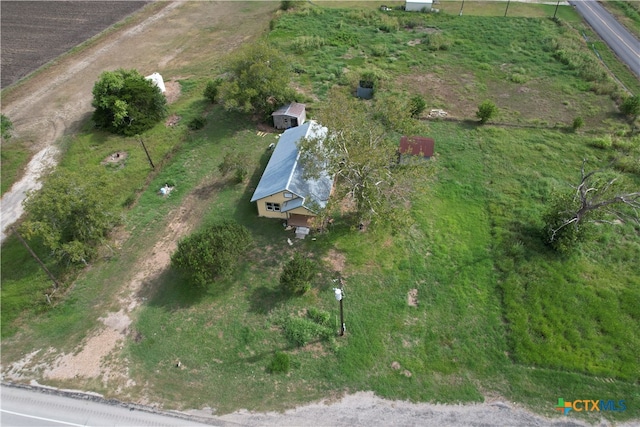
(294, 122)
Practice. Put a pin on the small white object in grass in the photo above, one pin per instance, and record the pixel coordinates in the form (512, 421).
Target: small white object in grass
(289, 242)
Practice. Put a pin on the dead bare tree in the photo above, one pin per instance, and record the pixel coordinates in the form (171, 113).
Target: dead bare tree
(593, 196)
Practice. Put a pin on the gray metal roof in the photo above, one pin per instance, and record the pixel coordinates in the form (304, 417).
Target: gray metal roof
(285, 173)
(294, 109)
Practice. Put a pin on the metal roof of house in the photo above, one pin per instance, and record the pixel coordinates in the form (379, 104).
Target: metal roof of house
(285, 172)
(290, 205)
(417, 146)
(294, 109)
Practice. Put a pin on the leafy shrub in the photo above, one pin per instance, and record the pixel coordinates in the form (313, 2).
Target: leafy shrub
(297, 275)
(197, 123)
(435, 41)
(578, 122)
(320, 317)
(561, 208)
(389, 24)
(518, 78)
(236, 163)
(344, 38)
(417, 105)
(411, 22)
(71, 215)
(300, 331)
(279, 363)
(129, 201)
(240, 174)
(305, 44)
(213, 252)
(211, 90)
(380, 50)
(602, 143)
(486, 110)
(126, 102)
(288, 4)
(629, 164)
(631, 106)
(6, 126)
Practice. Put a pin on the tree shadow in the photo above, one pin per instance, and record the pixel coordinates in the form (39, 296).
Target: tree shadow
(205, 192)
(171, 290)
(264, 299)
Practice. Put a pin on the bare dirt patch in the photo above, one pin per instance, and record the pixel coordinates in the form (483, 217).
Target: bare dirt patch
(412, 298)
(336, 260)
(447, 87)
(172, 120)
(173, 90)
(115, 158)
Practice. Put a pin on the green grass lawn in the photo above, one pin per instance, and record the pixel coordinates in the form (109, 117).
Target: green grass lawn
(14, 158)
(497, 313)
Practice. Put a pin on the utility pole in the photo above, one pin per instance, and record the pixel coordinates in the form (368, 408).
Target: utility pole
(145, 150)
(340, 296)
(556, 11)
(461, 8)
(505, 11)
(33, 254)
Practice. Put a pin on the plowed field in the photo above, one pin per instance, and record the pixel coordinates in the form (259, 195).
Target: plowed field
(35, 32)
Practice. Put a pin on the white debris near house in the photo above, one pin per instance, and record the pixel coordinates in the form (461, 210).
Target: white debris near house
(437, 113)
(156, 78)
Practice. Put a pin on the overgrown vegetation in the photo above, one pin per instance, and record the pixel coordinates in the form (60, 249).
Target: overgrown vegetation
(71, 214)
(6, 127)
(460, 290)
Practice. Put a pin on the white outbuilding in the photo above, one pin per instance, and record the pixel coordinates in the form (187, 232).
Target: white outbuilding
(156, 78)
(418, 5)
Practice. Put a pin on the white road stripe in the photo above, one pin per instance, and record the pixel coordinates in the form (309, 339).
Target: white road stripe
(614, 32)
(42, 419)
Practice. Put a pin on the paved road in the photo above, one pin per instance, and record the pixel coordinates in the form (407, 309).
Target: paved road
(22, 407)
(621, 41)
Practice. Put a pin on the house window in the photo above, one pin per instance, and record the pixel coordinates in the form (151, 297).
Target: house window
(288, 195)
(273, 207)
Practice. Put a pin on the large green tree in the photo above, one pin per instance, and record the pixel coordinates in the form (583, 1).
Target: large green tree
(259, 78)
(360, 150)
(126, 103)
(72, 214)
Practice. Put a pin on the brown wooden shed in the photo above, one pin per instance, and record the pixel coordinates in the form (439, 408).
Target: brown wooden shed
(289, 116)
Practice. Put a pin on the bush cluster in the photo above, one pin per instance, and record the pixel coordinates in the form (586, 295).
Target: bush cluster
(213, 252)
(297, 275)
(299, 331)
(279, 363)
